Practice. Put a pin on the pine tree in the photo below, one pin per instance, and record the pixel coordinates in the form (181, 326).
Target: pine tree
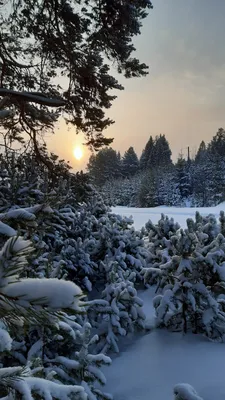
(123, 192)
(161, 156)
(189, 279)
(203, 178)
(216, 152)
(217, 145)
(147, 154)
(130, 163)
(123, 312)
(27, 302)
(147, 196)
(183, 177)
(78, 43)
(201, 153)
(103, 166)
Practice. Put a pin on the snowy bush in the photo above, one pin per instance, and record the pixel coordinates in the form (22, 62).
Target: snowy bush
(71, 244)
(189, 274)
(26, 303)
(121, 312)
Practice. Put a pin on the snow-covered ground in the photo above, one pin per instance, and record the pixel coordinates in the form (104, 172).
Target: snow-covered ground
(180, 215)
(153, 364)
(149, 367)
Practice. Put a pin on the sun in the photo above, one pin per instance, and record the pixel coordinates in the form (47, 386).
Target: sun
(78, 153)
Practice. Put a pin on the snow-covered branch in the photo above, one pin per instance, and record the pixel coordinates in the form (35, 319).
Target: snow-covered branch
(52, 293)
(5, 114)
(34, 97)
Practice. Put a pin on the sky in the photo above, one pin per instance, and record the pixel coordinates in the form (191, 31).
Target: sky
(183, 96)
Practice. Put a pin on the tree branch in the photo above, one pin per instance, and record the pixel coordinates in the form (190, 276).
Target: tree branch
(34, 97)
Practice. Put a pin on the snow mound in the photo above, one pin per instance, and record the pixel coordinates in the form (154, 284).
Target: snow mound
(184, 391)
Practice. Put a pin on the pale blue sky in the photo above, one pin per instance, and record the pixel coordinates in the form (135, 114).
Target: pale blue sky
(183, 97)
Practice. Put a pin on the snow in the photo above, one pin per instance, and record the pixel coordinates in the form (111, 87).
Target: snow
(35, 348)
(5, 341)
(38, 98)
(180, 215)
(157, 361)
(20, 213)
(184, 391)
(48, 390)
(69, 364)
(6, 230)
(153, 365)
(5, 114)
(53, 293)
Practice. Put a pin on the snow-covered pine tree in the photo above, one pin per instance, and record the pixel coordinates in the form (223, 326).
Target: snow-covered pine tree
(184, 179)
(27, 302)
(147, 196)
(122, 191)
(159, 246)
(41, 344)
(187, 302)
(122, 312)
(76, 255)
(202, 174)
(103, 166)
(118, 241)
(87, 365)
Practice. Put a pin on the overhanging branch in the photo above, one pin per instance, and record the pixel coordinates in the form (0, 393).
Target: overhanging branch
(37, 98)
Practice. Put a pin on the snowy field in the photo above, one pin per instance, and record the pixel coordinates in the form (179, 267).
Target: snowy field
(149, 366)
(180, 215)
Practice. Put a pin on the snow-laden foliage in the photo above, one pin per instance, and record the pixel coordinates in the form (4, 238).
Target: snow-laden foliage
(66, 244)
(26, 303)
(189, 275)
(75, 242)
(120, 312)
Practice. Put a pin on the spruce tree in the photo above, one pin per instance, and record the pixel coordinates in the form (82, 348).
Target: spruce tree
(201, 153)
(161, 156)
(183, 177)
(203, 178)
(217, 145)
(147, 154)
(130, 163)
(104, 166)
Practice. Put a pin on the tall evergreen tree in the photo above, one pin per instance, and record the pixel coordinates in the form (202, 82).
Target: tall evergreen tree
(183, 177)
(157, 153)
(149, 190)
(105, 165)
(216, 151)
(217, 144)
(161, 156)
(201, 153)
(130, 162)
(203, 177)
(147, 154)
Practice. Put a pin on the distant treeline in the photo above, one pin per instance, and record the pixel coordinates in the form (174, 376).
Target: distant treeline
(155, 180)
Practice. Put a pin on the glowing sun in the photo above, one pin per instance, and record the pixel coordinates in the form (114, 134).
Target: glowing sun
(78, 153)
